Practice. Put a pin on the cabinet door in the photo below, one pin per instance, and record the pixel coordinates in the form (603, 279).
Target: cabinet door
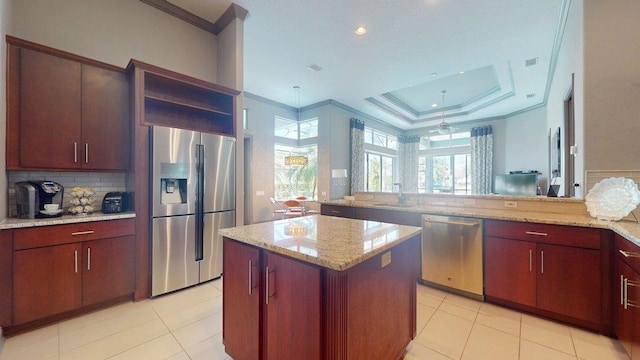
(623, 324)
(510, 270)
(105, 119)
(47, 281)
(108, 269)
(292, 302)
(241, 301)
(569, 282)
(49, 111)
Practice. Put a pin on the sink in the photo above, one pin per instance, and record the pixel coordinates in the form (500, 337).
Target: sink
(393, 205)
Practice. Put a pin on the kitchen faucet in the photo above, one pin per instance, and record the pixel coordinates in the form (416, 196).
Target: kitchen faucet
(401, 197)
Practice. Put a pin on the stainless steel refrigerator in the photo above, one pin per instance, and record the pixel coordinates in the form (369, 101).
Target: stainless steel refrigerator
(193, 183)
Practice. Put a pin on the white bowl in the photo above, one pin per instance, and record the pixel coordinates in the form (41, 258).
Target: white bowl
(51, 207)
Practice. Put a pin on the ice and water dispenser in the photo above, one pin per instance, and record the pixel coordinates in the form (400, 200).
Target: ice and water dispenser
(173, 183)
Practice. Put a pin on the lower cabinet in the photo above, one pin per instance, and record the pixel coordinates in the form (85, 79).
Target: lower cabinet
(290, 292)
(275, 307)
(627, 296)
(61, 268)
(548, 270)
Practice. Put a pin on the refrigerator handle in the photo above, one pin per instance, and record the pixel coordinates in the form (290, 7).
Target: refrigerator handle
(199, 202)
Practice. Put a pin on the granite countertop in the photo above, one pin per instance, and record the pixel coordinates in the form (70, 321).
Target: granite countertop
(14, 223)
(331, 242)
(630, 230)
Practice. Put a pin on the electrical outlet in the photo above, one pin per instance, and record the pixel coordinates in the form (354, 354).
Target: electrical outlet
(324, 193)
(259, 193)
(386, 259)
(511, 204)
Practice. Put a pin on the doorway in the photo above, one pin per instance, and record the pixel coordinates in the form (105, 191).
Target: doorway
(569, 141)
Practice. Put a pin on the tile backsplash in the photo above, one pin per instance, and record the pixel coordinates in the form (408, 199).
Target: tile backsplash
(100, 182)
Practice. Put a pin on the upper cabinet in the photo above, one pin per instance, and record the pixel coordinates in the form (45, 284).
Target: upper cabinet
(65, 113)
(171, 99)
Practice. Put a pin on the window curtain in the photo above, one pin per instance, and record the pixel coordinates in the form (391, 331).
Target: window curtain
(357, 155)
(481, 159)
(408, 161)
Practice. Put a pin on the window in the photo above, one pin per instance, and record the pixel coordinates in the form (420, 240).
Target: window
(291, 182)
(245, 118)
(380, 139)
(381, 152)
(444, 164)
(292, 129)
(294, 181)
(379, 172)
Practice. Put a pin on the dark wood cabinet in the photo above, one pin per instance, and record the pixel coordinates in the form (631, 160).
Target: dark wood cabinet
(626, 299)
(276, 307)
(108, 268)
(290, 300)
(292, 292)
(61, 268)
(338, 210)
(241, 296)
(552, 270)
(105, 143)
(47, 281)
(510, 270)
(65, 112)
(569, 282)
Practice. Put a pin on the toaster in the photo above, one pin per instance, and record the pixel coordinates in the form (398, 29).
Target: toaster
(116, 202)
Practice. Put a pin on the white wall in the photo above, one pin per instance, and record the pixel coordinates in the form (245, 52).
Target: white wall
(611, 84)
(570, 61)
(525, 139)
(5, 25)
(115, 31)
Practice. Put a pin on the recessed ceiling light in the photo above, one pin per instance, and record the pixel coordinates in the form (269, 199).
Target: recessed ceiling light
(529, 96)
(315, 67)
(434, 105)
(434, 74)
(360, 30)
(461, 72)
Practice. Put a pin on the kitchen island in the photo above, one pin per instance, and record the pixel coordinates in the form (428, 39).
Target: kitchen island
(320, 287)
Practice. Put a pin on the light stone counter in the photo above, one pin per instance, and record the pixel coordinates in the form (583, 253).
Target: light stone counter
(331, 242)
(13, 223)
(628, 229)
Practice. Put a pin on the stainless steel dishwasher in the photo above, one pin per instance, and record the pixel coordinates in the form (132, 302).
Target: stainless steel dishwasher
(452, 254)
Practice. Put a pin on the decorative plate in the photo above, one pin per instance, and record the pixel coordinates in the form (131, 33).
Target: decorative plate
(612, 198)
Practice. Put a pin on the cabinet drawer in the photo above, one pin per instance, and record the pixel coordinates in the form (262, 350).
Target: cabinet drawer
(544, 233)
(70, 233)
(337, 210)
(628, 252)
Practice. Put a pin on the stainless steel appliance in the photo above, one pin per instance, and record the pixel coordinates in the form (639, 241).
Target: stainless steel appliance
(193, 182)
(32, 196)
(452, 254)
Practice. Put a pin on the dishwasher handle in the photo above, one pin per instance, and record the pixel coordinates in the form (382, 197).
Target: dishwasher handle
(451, 222)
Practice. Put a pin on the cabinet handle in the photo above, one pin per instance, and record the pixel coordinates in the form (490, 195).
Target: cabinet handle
(75, 152)
(82, 232)
(624, 282)
(536, 233)
(541, 261)
(629, 254)
(530, 260)
(251, 265)
(88, 258)
(267, 292)
(335, 211)
(622, 290)
(75, 261)
(86, 153)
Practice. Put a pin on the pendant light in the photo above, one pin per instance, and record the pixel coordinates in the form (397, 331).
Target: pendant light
(443, 127)
(296, 160)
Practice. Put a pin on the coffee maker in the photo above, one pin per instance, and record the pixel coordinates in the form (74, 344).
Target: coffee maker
(31, 196)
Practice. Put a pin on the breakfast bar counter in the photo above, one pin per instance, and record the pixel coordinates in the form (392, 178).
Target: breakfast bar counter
(319, 287)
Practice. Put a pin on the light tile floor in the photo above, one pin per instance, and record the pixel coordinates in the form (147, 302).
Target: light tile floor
(188, 325)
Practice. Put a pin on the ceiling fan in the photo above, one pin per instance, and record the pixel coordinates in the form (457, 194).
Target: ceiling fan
(443, 128)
